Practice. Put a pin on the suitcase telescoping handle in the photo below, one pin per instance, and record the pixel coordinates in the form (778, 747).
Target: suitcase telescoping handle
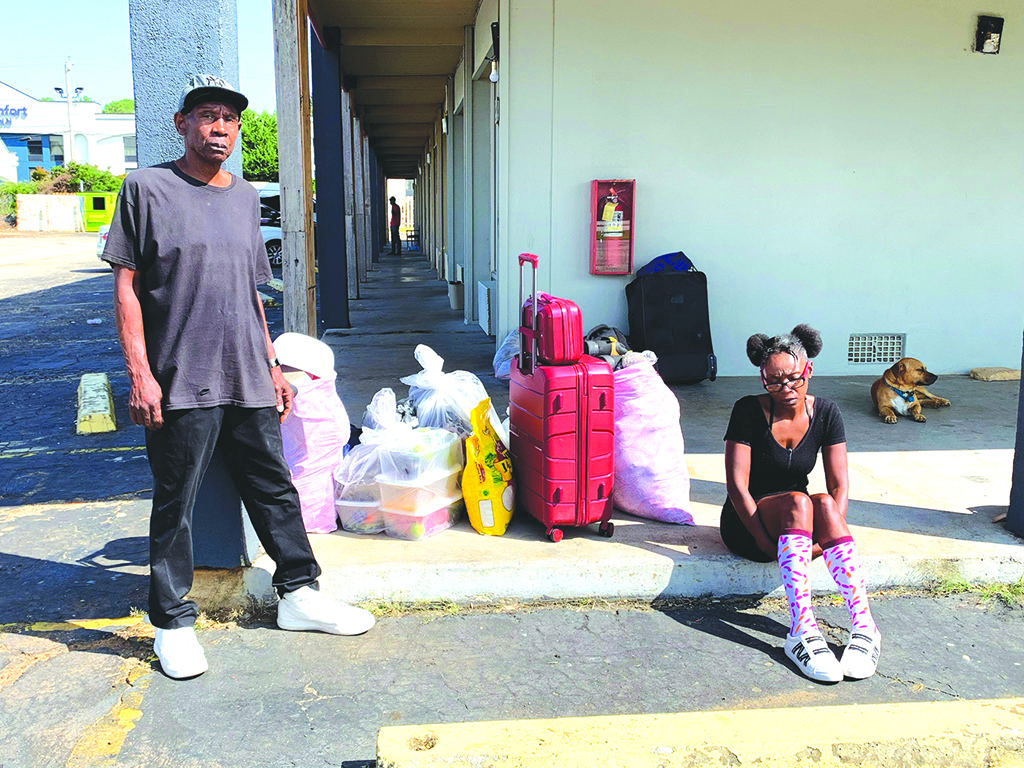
(531, 331)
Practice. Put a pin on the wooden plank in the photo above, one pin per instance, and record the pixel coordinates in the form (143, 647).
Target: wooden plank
(291, 67)
(360, 210)
(348, 186)
(406, 129)
(392, 37)
(367, 203)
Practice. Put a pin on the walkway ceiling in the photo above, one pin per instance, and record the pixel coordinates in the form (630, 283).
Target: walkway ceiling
(396, 56)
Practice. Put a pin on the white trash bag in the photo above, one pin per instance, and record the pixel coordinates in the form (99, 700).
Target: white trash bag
(505, 355)
(443, 400)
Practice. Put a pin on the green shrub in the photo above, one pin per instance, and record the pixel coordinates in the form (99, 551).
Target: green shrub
(81, 177)
(119, 107)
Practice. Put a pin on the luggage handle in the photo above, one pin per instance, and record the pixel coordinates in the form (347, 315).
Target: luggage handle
(524, 332)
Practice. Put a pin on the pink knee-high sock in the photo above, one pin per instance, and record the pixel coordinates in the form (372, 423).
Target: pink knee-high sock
(844, 564)
(795, 566)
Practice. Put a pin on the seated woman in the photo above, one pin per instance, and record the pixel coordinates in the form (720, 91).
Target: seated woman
(771, 446)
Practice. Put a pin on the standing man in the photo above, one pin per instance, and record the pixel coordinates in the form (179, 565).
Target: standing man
(187, 255)
(396, 222)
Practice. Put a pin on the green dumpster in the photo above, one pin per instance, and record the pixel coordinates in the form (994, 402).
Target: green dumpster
(97, 209)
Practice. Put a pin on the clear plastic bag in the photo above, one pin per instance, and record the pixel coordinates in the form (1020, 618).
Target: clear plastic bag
(505, 355)
(443, 400)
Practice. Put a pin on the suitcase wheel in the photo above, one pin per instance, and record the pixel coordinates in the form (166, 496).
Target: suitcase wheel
(555, 534)
(607, 529)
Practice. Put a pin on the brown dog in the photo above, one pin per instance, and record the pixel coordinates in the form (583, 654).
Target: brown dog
(902, 390)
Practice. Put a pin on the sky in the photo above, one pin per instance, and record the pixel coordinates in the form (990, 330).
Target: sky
(96, 37)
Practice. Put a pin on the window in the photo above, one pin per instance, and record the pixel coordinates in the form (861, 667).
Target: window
(99, 203)
(57, 150)
(131, 154)
(35, 148)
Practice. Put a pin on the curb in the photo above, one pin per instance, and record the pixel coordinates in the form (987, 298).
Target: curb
(909, 734)
(95, 405)
(647, 577)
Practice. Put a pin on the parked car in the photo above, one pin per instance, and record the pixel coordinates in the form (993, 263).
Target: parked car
(272, 239)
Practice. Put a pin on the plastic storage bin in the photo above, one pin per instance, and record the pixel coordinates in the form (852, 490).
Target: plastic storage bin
(426, 490)
(427, 452)
(427, 521)
(360, 516)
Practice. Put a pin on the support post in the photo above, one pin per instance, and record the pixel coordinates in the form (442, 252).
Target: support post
(367, 204)
(291, 52)
(360, 210)
(349, 195)
(330, 228)
(378, 244)
(1015, 514)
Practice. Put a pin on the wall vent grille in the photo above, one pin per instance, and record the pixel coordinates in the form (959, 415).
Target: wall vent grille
(874, 348)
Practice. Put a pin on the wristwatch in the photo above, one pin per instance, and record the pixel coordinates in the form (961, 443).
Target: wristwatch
(274, 363)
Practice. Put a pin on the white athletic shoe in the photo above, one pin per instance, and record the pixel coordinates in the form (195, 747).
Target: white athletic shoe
(179, 652)
(814, 658)
(860, 659)
(306, 608)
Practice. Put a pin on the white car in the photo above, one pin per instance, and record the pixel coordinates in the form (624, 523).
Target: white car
(272, 239)
(103, 240)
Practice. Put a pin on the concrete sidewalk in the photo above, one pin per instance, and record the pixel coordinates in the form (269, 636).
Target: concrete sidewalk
(923, 495)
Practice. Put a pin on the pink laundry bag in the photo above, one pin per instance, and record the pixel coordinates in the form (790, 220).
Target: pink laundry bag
(315, 435)
(651, 477)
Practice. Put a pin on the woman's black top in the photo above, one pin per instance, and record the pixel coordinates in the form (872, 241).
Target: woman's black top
(774, 469)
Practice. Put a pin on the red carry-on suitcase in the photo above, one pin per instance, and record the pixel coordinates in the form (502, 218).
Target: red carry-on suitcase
(562, 424)
(559, 324)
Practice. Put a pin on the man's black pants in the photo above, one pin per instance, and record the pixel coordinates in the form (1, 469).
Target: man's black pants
(396, 240)
(179, 453)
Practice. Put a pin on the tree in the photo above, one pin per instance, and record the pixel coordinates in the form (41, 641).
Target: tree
(47, 98)
(259, 146)
(75, 177)
(119, 107)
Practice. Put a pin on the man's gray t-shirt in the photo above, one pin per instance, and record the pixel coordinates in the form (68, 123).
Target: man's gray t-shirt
(200, 255)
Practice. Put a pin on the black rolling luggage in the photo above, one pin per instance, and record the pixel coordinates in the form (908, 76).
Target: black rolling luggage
(668, 313)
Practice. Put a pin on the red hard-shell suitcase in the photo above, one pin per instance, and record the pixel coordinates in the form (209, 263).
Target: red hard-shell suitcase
(559, 323)
(562, 438)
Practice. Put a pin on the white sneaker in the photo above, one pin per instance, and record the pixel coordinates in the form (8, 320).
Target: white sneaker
(860, 659)
(306, 608)
(814, 658)
(179, 652)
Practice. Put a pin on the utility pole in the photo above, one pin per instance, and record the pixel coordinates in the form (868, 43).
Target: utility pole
(67, 96)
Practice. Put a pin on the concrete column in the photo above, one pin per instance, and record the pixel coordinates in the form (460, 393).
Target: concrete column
(327, 138)
(171, 41)
(1015, 515)
(349, 196)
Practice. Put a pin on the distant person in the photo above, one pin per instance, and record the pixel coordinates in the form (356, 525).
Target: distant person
(396, 223)
(187, 255)
(771, 446)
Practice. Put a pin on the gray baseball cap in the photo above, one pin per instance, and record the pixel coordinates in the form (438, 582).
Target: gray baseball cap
(203, 88)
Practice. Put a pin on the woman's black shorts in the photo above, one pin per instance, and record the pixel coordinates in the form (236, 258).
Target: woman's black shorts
(738, 539)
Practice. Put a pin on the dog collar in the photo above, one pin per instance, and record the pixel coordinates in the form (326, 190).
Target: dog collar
(908, 396)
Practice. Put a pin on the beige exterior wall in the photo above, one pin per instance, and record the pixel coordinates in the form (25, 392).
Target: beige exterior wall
(852, 165)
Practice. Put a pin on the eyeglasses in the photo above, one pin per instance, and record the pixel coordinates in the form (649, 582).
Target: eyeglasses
(793, 383)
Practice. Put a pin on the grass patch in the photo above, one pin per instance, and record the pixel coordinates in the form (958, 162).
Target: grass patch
(1010, 595)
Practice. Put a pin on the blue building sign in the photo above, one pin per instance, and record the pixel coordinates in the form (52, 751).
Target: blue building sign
(9, 114)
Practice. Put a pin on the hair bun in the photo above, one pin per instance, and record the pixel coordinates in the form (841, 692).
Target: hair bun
(809, 338)
(756, 345)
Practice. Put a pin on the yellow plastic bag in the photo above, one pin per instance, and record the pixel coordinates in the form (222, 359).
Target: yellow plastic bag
(487, 484)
